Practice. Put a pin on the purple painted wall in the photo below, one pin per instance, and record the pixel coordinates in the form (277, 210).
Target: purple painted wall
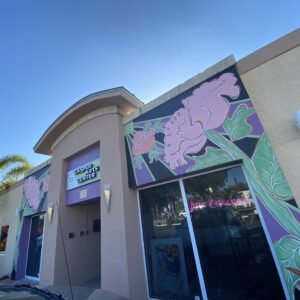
(209, 126)
(92, 190)
(23, 249)
(34, 201)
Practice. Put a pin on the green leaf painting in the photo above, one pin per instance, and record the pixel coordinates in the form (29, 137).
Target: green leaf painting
(137, 161)
(237, 126)
(288, 252)
(269, 170)
(128, 128)
(279, 209)
(212, 157)
(153, 154)
(158, 126)
(147, 126)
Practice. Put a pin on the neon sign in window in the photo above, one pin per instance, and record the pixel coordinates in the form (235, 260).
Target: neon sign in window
(237, 202)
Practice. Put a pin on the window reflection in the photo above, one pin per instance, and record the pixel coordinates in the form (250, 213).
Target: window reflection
(35, 246)
(235, 256)
(170, 261)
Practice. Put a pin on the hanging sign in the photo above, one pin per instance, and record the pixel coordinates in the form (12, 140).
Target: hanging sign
(84, 174)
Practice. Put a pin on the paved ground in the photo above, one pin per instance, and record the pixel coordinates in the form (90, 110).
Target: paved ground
(79, 292)
(90, 288)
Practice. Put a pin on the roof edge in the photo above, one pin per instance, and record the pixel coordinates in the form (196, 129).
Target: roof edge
(38, 167)
(198, 78)
(268, 52)
(83, 102)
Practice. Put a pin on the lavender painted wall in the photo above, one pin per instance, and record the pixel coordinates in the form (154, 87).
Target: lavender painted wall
(34, 200)
(23, 249)
(89, 191)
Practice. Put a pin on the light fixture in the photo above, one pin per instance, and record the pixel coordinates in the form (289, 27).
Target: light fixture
(17, 214)
(50, 211)
(107, 195)
(297, 118)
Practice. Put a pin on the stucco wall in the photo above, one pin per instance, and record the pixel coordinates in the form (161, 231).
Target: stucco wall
(83, 250)
(122, 269)
(9, 201)
(274, 88)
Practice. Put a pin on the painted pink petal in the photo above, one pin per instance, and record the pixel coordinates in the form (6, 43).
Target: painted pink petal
(177, 159)
(197, 113)
(143, 141)
(205, 109)
(173, 131)
(218, 112)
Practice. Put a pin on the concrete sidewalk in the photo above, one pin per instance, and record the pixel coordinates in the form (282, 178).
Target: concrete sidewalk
(80, 292)
(84, 293)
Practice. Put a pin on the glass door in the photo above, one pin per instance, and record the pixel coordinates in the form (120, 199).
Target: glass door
(35, 247)
(235, 256)
(169, 256)
(203, 236)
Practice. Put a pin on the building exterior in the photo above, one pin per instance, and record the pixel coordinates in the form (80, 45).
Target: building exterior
(182, 198)
(9, 202)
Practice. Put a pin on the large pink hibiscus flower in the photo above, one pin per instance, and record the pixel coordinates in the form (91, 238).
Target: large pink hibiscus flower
(205, 109)
(32, 192)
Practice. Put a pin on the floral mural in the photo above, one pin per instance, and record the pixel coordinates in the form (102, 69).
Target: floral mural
(34, 200)
(143, 141)
(35, 192)
(211, 125)
(32, 192)
(205, 109)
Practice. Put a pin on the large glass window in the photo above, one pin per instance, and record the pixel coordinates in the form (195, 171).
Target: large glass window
(234, 253)
(171, 268)
(35, 246)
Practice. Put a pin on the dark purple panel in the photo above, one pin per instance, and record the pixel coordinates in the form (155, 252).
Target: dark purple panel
(92, 189)
(276, 231)
(23, 249)
(83, 158)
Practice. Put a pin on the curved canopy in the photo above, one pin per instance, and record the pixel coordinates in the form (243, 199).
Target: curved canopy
(119, 96)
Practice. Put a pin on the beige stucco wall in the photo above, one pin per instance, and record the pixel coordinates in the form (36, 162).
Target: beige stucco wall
(83, 251)
(9, 201)
(274, 88)
(122, 269)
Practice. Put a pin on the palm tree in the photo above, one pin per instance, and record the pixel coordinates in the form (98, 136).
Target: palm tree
(12, 168)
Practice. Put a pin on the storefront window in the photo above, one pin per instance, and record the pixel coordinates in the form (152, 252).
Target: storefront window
(234, 253)
(35, 246)
(3, 237)
(171, 268)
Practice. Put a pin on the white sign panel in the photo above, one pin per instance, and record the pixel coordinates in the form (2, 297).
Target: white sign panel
(84, 174)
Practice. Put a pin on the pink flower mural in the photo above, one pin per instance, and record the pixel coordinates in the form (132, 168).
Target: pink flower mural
(205, 109)
(32, 192)
(143, 141)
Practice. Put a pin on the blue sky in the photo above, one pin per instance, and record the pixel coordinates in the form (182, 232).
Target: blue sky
(54, 52)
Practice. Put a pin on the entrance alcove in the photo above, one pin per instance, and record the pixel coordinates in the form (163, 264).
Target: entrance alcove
(96, 120)
(82, 243)
(80, 212)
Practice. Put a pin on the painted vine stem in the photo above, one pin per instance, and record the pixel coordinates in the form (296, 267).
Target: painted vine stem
(279, 209)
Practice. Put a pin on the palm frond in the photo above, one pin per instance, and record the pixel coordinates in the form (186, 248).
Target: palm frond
(6, 184)
(12, 168)
(8, 160)
(16, 172)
